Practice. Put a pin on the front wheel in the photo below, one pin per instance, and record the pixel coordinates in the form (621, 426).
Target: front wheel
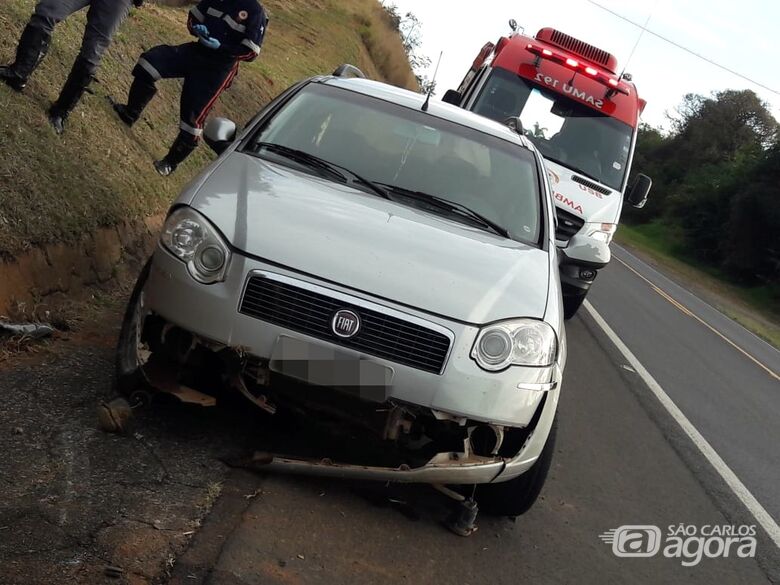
(516, 496)
(127, 363)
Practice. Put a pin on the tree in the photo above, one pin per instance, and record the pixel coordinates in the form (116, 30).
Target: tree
(723, 126)
(538, 131)
(647, 160)
(409, 28)
(717, 182)
(751, 246)
(712, 157)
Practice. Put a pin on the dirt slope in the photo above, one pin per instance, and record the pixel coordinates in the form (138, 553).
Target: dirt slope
(56, 189)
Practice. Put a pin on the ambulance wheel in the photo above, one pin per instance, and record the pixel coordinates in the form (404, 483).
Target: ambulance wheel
(571, 304)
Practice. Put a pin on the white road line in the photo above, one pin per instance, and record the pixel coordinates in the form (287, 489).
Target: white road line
(748, 500)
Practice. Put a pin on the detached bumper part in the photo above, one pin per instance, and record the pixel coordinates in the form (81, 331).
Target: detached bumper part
(468, 473)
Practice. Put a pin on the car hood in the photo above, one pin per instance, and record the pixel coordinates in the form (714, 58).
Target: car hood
(364, 242)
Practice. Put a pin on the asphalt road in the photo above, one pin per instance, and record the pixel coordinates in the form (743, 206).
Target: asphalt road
(723, 378)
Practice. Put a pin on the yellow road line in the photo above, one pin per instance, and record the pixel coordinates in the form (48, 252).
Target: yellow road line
(674, 302)
(686, 311)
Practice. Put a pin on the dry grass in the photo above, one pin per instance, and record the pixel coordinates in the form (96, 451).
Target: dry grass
(382, 42)
(213, 491)
(54, 189)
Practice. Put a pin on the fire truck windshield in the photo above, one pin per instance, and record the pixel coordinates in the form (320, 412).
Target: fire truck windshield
(564, 130)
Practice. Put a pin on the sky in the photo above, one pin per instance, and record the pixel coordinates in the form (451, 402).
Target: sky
(741, 35)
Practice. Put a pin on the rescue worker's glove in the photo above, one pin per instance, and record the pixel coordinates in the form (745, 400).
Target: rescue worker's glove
(210, 42)
(200, 30)
(138, 3)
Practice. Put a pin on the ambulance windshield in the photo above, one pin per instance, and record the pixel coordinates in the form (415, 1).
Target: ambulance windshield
(565, 131)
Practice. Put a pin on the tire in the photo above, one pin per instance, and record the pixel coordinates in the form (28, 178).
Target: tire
(516, 496)
(571, 305)
(127, 373)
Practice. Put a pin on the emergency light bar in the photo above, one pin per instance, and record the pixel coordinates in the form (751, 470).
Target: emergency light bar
(563, 59)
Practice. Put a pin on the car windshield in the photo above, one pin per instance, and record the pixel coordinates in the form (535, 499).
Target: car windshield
(409, 153)
(564, 131)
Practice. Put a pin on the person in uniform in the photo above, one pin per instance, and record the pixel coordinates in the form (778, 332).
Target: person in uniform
(103, 20)
(228, 32)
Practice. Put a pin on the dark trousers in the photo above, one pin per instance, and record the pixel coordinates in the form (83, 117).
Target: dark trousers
(103, 19)
(205, 76)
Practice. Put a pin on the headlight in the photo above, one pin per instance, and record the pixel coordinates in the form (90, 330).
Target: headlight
(520, 342)
(192, 239)
(602, 232)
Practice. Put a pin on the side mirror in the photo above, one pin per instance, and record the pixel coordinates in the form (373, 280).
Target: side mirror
(587, 251)
(219, 133)
(515, 125)
(347, 70)
(452, 96)
(637, 195)
(513, 25)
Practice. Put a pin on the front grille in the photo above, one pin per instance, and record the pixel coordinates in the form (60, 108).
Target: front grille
(590, 184)
(310, 312)
(568, 224)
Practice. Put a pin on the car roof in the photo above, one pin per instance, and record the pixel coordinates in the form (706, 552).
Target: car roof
(415, 101)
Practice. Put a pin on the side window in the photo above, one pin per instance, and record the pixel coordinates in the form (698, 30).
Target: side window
(476, 83)
(501, 97)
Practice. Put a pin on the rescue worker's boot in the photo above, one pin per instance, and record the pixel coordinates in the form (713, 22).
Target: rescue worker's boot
(75, 86)
(32, 48)
(141, 93)
(180, 150)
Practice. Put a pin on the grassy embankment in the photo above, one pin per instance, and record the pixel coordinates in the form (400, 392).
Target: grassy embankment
(55, 189)
(756, 308)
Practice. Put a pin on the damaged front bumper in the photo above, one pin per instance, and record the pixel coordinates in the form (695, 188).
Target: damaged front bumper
(461, 425)
(445, 468)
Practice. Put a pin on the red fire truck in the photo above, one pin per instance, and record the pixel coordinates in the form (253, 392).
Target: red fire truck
(569, 99)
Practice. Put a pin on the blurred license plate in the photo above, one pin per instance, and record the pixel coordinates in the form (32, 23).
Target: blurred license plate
(325, 366)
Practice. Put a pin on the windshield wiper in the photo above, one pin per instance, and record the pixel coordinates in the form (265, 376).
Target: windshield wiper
(450, 206)
(303, 157)
(375, 187)
(311, 160)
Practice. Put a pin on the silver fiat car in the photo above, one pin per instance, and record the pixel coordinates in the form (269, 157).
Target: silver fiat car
(378, 263)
